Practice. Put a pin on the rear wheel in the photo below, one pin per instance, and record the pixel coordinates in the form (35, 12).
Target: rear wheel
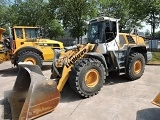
(30, 56)
(87, 77)
(136, 65)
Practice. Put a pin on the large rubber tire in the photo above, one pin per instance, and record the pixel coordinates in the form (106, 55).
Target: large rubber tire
(135, 67)
(35, 58)
(80, 72)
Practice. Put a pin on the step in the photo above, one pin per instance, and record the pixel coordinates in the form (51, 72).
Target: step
(119, 62)
(122, 67)
(122, 73)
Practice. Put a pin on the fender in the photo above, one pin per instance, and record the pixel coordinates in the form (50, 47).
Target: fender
(100, 57)
(26, 48)
(138, 48)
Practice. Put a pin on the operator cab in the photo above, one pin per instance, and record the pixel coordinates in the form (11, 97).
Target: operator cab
(104, 32)
(22, 32)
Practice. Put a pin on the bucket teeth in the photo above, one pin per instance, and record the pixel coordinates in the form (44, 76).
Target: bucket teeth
(33, 94)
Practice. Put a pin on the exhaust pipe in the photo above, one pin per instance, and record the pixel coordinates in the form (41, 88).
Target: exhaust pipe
(33, 94)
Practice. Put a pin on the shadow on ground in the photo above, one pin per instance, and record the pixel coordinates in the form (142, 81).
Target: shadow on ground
(67, 94)
(113, 78)
(148, 114)
(46, 67)
(151, 64)
(9, 72)
(14, 71)
(6, 114)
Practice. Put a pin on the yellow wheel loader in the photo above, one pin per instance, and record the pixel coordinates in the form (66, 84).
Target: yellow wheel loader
(84, 66)
(25, 44)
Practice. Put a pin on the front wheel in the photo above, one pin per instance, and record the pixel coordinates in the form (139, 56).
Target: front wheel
(136, 66)
(87, 77)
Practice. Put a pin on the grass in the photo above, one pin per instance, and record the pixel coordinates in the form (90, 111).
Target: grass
(155, 58)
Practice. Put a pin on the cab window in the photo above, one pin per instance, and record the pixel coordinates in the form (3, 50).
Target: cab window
(19, 33)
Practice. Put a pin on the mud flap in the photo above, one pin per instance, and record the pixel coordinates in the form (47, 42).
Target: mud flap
(156, 100)
(33, 94)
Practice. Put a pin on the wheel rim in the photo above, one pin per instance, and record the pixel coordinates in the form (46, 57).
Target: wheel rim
(92, 78)
(29, 59)
(137, 66)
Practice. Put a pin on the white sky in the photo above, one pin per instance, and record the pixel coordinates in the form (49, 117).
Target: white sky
(147, 27)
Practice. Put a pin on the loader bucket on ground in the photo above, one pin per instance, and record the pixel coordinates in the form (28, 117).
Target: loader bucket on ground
(156, 100)
(33, 94)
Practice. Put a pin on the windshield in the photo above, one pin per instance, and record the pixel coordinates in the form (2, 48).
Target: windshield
(95, 31)
(32, 32)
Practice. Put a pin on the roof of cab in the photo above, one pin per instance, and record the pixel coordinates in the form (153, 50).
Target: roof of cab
(102, 18)
(24, 27)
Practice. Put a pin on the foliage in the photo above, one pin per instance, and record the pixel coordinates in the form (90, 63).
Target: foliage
(147, 32)
(29, 12)
(54, 29)
(74, 13)
(119, 9)
(3, 9)
(153, 17)
(147, 10)
(158, 34)
(32, 13)
(155, 58)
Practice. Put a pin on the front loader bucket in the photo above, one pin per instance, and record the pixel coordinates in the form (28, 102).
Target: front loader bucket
(156, 100)
(33, 94)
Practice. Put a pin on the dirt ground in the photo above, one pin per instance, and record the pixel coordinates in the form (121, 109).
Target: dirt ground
(119, 99)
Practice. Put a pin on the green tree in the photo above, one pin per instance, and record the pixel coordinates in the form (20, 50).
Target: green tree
(4, 6)
(54, 29)
(158, 34)
(147, 10)
(32, 13)
(119, 9)
(147, 33)
(74, 13)
(3, 9)
(132, 11)
(153, 17)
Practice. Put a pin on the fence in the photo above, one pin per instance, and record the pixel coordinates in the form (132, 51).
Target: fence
(153, 45)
